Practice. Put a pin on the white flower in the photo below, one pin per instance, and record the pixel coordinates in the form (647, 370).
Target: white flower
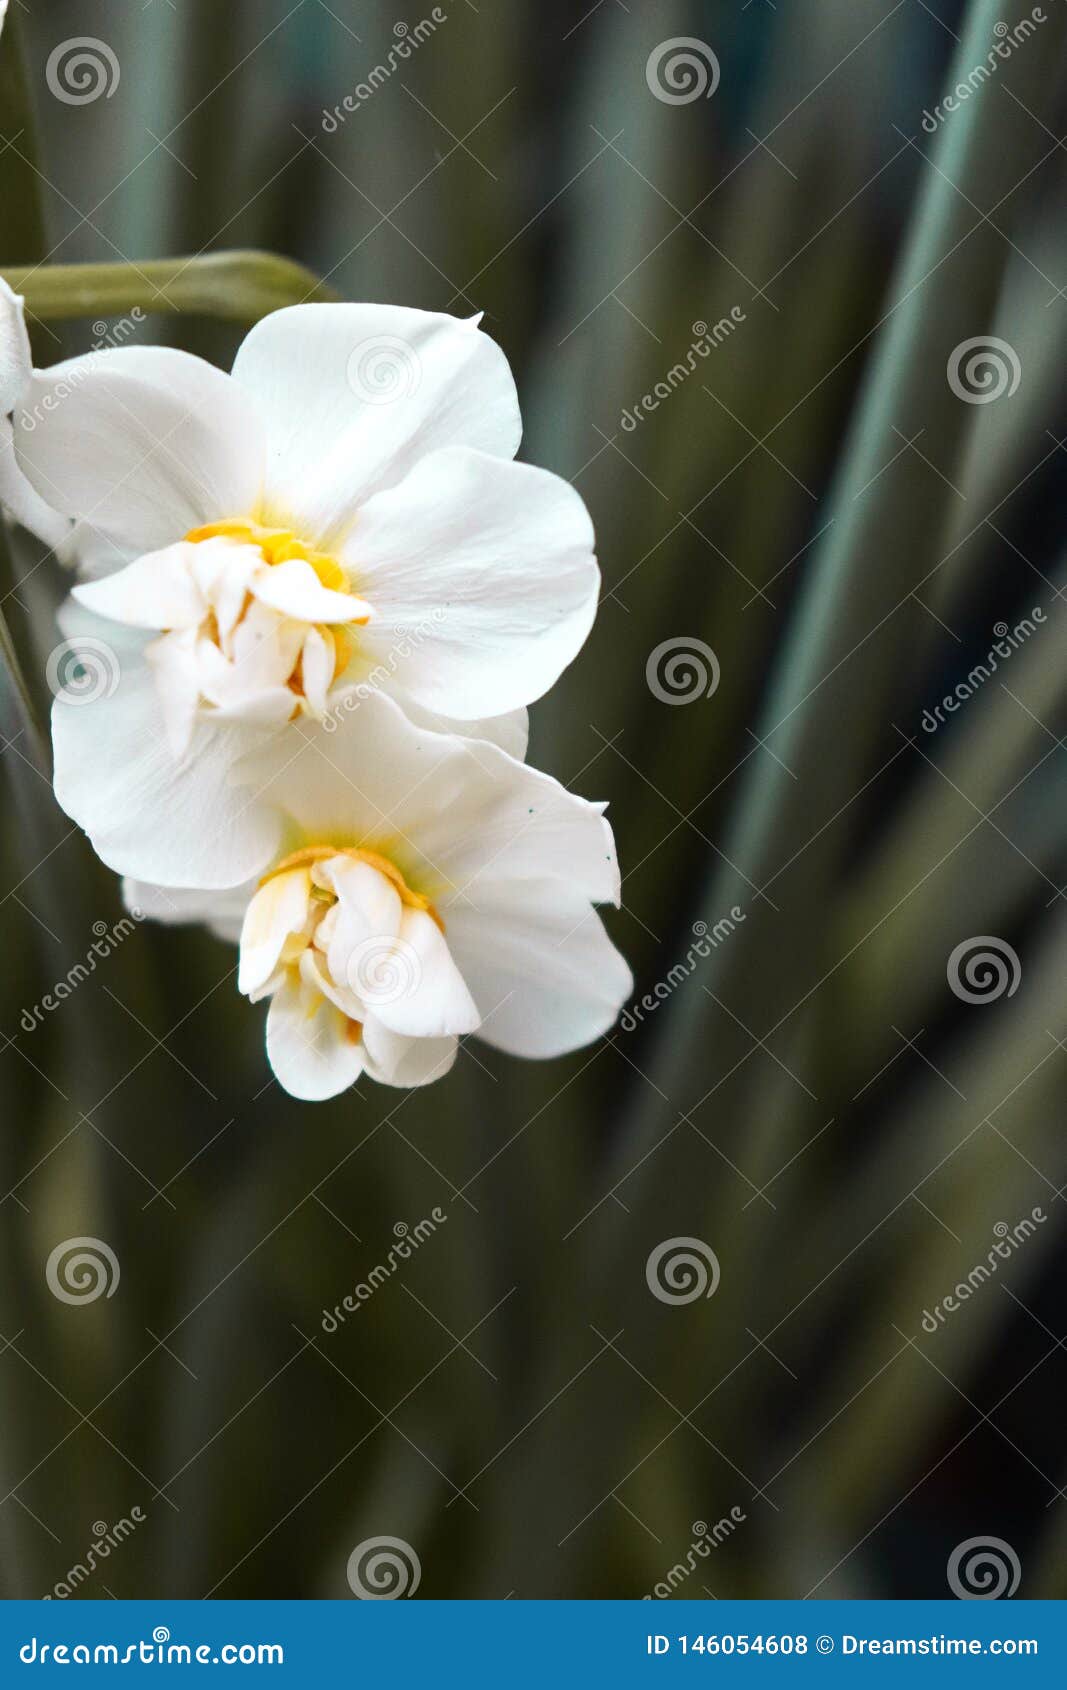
(17, 496)
(281, 534)
(412, 887)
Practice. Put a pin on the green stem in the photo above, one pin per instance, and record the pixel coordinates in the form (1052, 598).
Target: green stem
(242, 286)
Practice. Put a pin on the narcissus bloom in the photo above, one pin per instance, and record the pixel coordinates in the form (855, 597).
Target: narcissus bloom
(342, 508)
(17, 497)
(413, 887)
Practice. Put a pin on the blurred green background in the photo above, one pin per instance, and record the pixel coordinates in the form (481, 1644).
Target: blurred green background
(818, 505)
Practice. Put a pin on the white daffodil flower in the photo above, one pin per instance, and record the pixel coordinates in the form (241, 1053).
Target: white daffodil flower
(341, 509)
(413, 887)
(22, 502)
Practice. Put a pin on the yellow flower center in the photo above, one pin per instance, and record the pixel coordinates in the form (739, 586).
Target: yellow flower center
(309, 854)
(281, 545)
(278, 545)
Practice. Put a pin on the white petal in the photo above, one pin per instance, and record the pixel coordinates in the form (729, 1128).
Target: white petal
(224, 571)
(519, 827)
(158, 590)
(353, 395)
(510, 732)
(261, 651)
(542, 967)
(368, 906)
(392, 959)
(314, 972)
(270, 706)
(408, 982)
(142, 442)
(148, 816)
(294, 589)
(457, 810)
(393, 1060)
(278, 910)
(21, 500)
(76, 623)
(318, 657)
(15, 363)
(309, 1043)
(483, 571)
(18, 497)
(172, 660)
(223, 912)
